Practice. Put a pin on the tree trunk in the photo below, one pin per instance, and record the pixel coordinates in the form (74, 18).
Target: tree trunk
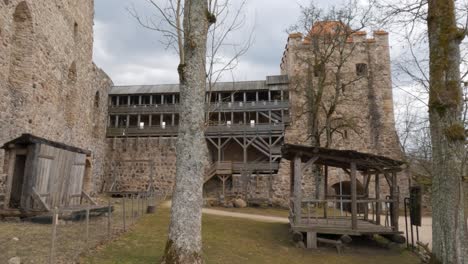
(184, 243)
(449, 234)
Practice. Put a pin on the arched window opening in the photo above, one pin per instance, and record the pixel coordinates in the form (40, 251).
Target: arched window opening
(75, 31)
(20, 74)
(96, 99)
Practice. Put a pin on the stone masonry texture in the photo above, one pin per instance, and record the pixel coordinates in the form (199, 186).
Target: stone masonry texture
(49, 84)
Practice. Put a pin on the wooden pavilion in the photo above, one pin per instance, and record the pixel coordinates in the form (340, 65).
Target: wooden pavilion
(319, 216)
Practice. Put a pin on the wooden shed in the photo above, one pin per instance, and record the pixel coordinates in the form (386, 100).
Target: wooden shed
(42, 175)
(368, 215)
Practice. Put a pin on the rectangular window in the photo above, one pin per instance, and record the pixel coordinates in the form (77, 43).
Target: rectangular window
(114, 100)
(122, 121)
(133, 121)
(238, 97)
(361, 69)
(263, 96)
(123, 100)
(145, 99)
(157, 99)
(251, 96)
(134, 100)
(318, 70)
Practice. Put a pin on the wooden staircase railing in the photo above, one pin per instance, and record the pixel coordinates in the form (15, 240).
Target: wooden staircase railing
(218, 168)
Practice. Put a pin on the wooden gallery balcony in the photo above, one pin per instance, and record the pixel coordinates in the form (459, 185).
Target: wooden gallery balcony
(216, 130)
(214, 107)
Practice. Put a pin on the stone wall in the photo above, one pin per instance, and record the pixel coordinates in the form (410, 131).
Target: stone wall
(48, 83)
(131, 162)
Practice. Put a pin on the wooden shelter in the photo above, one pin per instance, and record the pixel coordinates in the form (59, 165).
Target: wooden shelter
(320, 216)
(42, 175)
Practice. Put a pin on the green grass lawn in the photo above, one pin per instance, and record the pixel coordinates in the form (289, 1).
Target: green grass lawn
(232, 240)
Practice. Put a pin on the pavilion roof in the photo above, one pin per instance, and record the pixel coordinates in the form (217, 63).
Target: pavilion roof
(365, 162)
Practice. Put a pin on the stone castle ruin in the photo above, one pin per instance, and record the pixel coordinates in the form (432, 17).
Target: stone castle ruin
(52, 89)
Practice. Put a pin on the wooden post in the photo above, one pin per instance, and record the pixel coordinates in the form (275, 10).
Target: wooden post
(311, 240)
(377, 197)
(395, 205)
(325, 193)
(353, 197)
(132, 214)
(366, 192)
(109, 216)
(87, 228)
(123, 209)
(54, 234)
(297, 189)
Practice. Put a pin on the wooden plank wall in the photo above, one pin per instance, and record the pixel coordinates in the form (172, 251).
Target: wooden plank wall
(59, 176)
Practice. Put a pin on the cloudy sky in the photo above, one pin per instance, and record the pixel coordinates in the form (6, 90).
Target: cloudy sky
(131, 54)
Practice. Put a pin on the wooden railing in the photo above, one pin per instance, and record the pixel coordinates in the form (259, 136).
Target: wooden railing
(229, 167)
(339, 209)
(211, 130)
(214, 107)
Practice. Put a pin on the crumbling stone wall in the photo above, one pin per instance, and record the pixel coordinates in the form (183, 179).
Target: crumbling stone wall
(48, 83)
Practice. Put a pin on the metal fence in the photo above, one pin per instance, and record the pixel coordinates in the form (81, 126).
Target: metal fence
(64, 237)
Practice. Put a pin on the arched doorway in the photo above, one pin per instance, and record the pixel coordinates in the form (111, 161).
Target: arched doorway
(343, 190)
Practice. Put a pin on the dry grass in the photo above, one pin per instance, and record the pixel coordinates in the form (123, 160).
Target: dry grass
(232, 240)
(31, 242)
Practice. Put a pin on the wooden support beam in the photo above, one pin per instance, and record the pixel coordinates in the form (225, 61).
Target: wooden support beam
(309, 163)
(297, 189)
(325, 192)
(395, 204)
(377, 197)
(36, 197)
(367, 182)
(87, 197)
(353, 197)
(312, 240)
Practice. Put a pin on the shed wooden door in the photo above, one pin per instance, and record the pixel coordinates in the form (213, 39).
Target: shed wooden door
(75, 186)
(43, 181)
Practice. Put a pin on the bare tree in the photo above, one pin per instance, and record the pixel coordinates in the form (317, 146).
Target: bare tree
(327, 71)
(445, 29)
(330, 69)
(199, 31)
(223, 52)
(184, 243)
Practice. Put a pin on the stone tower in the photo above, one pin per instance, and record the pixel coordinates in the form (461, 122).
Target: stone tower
(49, 84)
(366, 96)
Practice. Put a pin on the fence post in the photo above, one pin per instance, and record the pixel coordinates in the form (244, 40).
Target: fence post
(133, 215)
(123, 205)
(54, 234)
(109, 212)
(87, 228)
